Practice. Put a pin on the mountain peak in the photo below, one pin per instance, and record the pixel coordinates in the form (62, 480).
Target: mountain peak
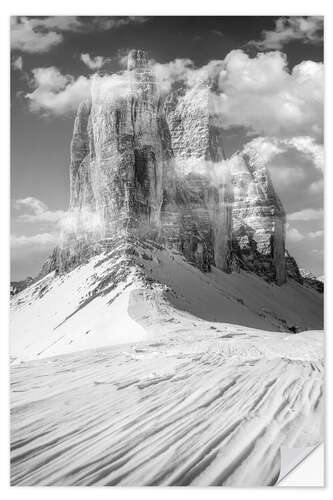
(137, 58)
(145, 169)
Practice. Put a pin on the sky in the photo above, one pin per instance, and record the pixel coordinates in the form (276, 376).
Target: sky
(270, 73)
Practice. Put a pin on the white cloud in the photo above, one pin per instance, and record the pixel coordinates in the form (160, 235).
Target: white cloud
(306, 215)
(315, 234)
(40, 34)
(18, 63)
(36, 240)
(37, 211)
(26, 37)
(288, 29)
(308, 146)
(290, 160)
(56, 93)
(30, 203)
(33, 210)
(108, 23)
(258, 93)
(269, 147)
(266, 147)
(294, 235)
(59, 23)
(94, 63)
(262, 95)
(178, 70)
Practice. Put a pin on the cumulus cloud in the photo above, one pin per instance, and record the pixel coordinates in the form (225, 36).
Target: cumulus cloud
(308, 146)
(94, 63)
(33, 204)
(56, 93)
(36, 240)
(258, 93)
(32, 210)
(35, 211)
(296, 166)
(40, 34)
(306, 215)
(316, 234)
(269, 147)
(288, 29)
(167, 74)
(28, 37)
(59, 94)
(294, 235)
(262, 95)
(294, 163)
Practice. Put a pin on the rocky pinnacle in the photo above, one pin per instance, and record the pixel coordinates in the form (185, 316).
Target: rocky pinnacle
(147, 166)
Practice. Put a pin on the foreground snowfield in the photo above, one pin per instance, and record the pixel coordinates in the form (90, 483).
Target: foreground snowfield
(194, 381)
(200, 407)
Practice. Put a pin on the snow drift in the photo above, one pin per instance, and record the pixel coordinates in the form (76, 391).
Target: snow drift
(115, 299)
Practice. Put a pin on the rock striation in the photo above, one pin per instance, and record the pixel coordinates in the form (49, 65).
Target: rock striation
(258, 217)
(146, 166)
(196, 139)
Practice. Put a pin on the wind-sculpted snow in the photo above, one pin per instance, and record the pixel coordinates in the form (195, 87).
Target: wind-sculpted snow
(209, 404)
(136, 368)
(126, 294)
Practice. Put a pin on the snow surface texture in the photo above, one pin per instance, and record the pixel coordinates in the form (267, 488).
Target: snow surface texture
(170, 386)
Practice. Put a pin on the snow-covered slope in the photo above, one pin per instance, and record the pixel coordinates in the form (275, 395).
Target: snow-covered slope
(203, 406)
(113, 299)
(145, 371)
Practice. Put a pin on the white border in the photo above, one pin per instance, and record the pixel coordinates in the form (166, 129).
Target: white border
(145, 7)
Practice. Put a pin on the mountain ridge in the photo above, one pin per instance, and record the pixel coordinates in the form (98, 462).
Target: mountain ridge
(155, 288)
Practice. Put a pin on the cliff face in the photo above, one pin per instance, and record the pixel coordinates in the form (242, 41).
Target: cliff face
(118, 157)
(200, 162)
(146, 167)
(258, 217)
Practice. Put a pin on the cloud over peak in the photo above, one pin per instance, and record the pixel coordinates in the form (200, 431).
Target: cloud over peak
(258, 93)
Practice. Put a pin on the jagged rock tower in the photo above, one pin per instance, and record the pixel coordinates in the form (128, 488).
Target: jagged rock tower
(118, 157)
(143, 166)
(258, 217)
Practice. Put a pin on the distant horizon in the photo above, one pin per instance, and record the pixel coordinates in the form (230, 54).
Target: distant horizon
(273, 74)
